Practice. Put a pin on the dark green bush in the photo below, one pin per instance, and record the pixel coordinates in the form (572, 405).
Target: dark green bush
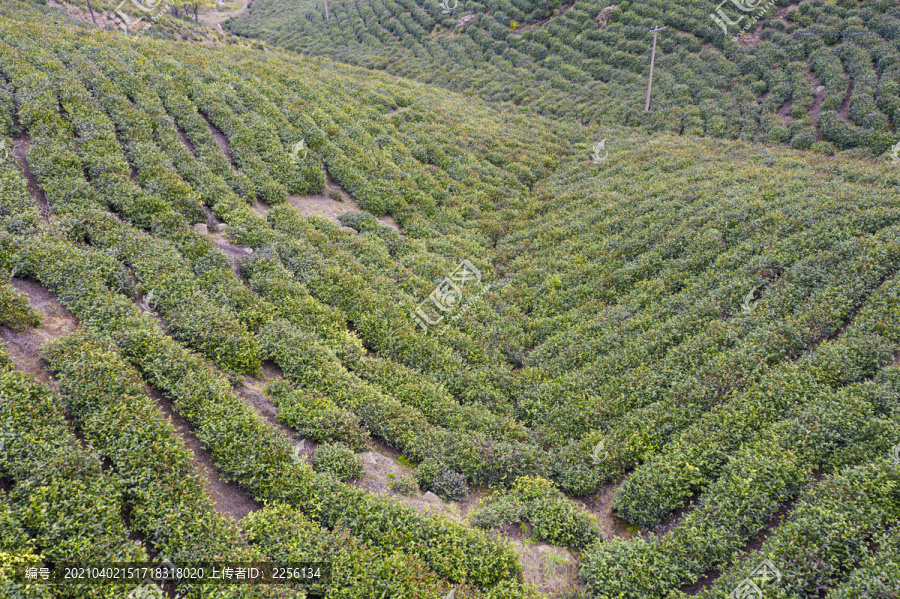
(338, 461)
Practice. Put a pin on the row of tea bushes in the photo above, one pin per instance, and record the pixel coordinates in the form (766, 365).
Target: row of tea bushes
(538, 502)
(66, 504)
(195, 130)
(244, 449)
(480, 459)
(14, 196)
(165, 495)
(356, 571)
(694, 457)
(877, 573)
(317, 417)
(828, 536)
(841, 429)
(565, 66)
(143, 257)
(16, 553)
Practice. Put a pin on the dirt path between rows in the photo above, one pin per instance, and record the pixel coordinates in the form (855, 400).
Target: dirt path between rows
(20, 151)
(220, 138)
(24, 347)
(229, 498)
(844, 110)
(817, 101)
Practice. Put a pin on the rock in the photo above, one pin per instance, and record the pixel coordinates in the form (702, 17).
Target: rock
(222, 227)
(248, 250)
(201, 228)
(462, 22)
(603, 18)
(431, 497)
(369, 458)
(820, 89)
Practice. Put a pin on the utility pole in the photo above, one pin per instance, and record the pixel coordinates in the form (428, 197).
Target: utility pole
(654, 31)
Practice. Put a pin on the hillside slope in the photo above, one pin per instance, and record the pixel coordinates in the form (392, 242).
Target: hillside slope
(702, 331)
(806, 72)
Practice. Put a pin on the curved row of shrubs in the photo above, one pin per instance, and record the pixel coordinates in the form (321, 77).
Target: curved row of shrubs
(244, 449)
(165, 496)
(840, 429)
(66, 504)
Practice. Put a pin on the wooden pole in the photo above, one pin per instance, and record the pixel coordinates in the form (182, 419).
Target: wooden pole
(652, 59)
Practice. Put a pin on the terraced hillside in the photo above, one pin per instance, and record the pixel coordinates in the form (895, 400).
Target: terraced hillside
(801, 73)
(264, 307)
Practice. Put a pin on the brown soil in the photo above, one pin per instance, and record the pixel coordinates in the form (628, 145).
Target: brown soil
(229, 498)
(600, 506)
(553, 570)
(559, 12)
(214, 18)
(751, 38)
(103, 19)
(785, 111)
(23, 347)
(844, 110)
(323, 205)
(817, 102)
(254, 395)
(219, 137)
(260, 208)
(20, 151)
(187, 143)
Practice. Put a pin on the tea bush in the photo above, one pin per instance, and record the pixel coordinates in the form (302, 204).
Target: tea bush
(338, 461)
(537, 501)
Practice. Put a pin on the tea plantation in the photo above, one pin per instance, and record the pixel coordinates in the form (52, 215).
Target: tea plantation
(672, 367)
(813, 74)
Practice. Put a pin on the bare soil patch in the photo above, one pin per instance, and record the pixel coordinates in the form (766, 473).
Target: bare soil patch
(844, 110)
(600, 505)
(20, 151)
(327, 207)
(24, 347)
(785, 111)
(215, 17)
(186, 142)
(253, 392)
(219, 137)
(553, 570)
(229, 498)
(103, 18)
